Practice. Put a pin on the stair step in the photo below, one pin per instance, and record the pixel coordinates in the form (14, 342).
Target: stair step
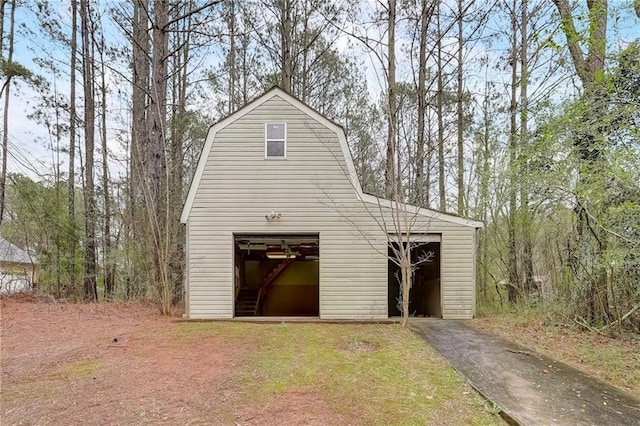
(246, 302)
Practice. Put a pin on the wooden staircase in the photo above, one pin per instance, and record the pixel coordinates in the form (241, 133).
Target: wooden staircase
(247, 302)
(248, 299)
(274, 274)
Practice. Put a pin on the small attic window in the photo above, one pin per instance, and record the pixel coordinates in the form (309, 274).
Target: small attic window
(275, 145)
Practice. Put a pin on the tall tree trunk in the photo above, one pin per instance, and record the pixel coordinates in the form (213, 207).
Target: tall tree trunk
(5, 118)
(56, 168)
(109, 267)
(245, 70)
(180, 86)
(90, 284)
(394, 175)
(422, 196)
(429, 144)
(390, 178)
(137, 165)
(483, 246)
(527, 243)
(156, 118)
(514, 281)
(440, 113)
(71, 196)
(157, 189)
(460, 112)
(233, 72)
(285, 40)
(246, 42)
(588, 66)
(3, 3)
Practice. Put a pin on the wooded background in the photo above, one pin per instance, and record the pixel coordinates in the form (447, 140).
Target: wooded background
(522, 113)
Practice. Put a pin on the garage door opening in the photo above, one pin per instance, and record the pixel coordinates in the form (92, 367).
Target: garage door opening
(425, 293)
(277, 275)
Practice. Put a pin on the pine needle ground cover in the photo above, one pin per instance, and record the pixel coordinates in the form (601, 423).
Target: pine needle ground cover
(121, 363)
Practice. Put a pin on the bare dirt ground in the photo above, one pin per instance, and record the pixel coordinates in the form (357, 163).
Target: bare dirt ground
(117, 364)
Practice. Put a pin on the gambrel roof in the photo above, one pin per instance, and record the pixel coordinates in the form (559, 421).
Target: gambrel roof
(339, 131)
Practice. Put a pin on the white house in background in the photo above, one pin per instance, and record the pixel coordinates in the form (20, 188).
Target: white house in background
(17, 268)
(277, 225)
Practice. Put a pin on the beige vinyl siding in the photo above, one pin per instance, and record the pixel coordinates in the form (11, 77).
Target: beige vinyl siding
(210, 272)
(457, 259)
(238, 187)
(187, 267)
(458, 285)
(312, 191)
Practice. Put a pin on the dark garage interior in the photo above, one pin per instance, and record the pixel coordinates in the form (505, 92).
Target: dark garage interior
(277, 275)
(424, 296)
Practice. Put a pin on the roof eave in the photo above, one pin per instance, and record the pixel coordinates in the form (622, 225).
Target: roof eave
(422, 211)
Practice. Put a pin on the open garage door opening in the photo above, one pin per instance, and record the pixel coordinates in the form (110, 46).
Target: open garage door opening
(425, 293)
(277, 275)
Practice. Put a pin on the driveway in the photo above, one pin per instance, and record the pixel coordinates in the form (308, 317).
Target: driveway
(529, 388)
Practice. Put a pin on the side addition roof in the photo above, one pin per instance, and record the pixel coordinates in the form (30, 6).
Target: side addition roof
(339, 130)
(10, 253)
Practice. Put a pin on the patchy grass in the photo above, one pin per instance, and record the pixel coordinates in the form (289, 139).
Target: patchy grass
(377, 374)
(614, 360)
(75, 370)
(61, 365)
(371, 374)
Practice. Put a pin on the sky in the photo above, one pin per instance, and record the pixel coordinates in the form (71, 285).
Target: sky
(31, 145)
(29, 142)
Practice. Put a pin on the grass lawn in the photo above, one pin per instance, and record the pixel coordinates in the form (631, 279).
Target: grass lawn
(365, 374)
(122, 364)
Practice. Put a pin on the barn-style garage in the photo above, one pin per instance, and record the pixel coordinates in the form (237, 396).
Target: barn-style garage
(277, 224)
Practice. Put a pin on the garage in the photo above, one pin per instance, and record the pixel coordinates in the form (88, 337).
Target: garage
(277, 275)
(425, 293)
(274, 176)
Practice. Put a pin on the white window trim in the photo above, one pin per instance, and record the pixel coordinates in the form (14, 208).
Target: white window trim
(284, 157)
